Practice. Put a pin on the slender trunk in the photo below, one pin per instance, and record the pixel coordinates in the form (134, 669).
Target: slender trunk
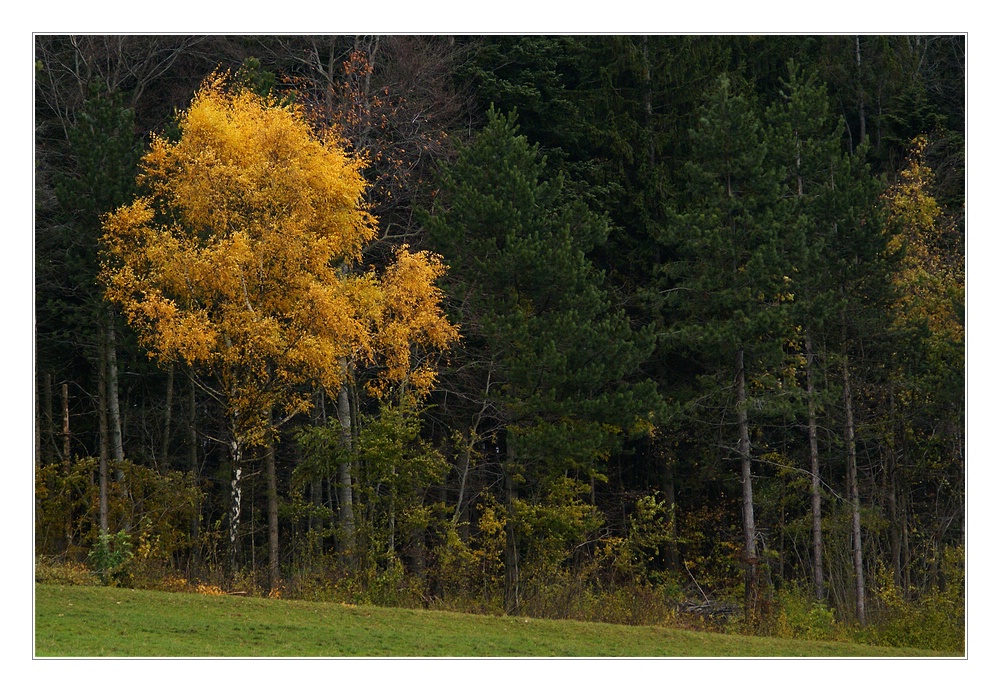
(817, 515)
(852, 477)
(235, 502)
(102, 422)
(50, 424)
(164, 464)
(66, 461)
(193, 465)
(113, 407)
(511, 595)
(670, 496)
(749, 528)
(272, 513)
(344, 487)
(466, 455)
(65, 429)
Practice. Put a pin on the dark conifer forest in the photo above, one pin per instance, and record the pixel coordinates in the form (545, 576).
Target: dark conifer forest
(638, 329)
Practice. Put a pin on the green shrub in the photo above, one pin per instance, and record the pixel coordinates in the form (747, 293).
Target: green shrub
(801, 617)
(110, 558)
(935, 620)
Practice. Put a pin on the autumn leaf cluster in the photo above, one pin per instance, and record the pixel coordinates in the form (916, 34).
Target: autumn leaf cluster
(241, 259)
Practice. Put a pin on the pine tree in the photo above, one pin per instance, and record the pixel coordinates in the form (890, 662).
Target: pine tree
(558, 365)
(729, 281)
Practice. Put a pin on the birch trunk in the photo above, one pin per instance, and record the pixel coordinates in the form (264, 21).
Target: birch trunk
(235, 502)
(113, 408)
(852, 479)
(344, 488)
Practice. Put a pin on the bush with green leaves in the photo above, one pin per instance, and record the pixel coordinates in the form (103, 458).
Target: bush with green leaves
(110, 558)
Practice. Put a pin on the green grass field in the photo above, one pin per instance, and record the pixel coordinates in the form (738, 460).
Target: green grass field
(73, 621)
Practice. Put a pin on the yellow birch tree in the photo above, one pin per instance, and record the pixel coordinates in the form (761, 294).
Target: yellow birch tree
(239, 259)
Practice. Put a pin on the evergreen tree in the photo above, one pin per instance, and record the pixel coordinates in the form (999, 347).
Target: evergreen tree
(556, 362)
(729, 286)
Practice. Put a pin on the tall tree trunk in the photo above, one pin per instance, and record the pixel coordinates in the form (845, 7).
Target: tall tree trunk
(465, 456)
(113, 407)
(68, 527)
(852, 479)
(193, 465)
(344, 487)
(817, 514)
(235, 499)
(511, 593)
(272, 513)
(749, 527)
(50, 421)
(65, 429)
(164, 464)
(670, 496)
(103, 448)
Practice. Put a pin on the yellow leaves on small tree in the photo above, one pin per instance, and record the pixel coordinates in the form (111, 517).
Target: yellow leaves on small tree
(930, 284)
(237, 260)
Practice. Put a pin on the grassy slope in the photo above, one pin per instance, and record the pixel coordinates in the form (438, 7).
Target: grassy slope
(91, 621)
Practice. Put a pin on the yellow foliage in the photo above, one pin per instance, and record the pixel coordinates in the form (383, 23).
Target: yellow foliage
(209, 590)
(238, 259)
(929, 284)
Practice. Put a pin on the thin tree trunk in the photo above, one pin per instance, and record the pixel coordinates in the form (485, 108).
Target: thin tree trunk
(852, 477)
(749, 528)
(164, 464)
(113, 407)
(817, 514)
(50, 424)
(272, 513)
(512, 596)
(102, 419)
(65, 430)
(466, 455)
(670, 496)
(344, 487)
(66, 461)
(193, 465)
(235, 498)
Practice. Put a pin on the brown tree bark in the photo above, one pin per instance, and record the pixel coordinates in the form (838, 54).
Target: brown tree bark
(102, 419)
(817, 512)
(852, 479)
(164, 464)
(512, 592)
(749, 527)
